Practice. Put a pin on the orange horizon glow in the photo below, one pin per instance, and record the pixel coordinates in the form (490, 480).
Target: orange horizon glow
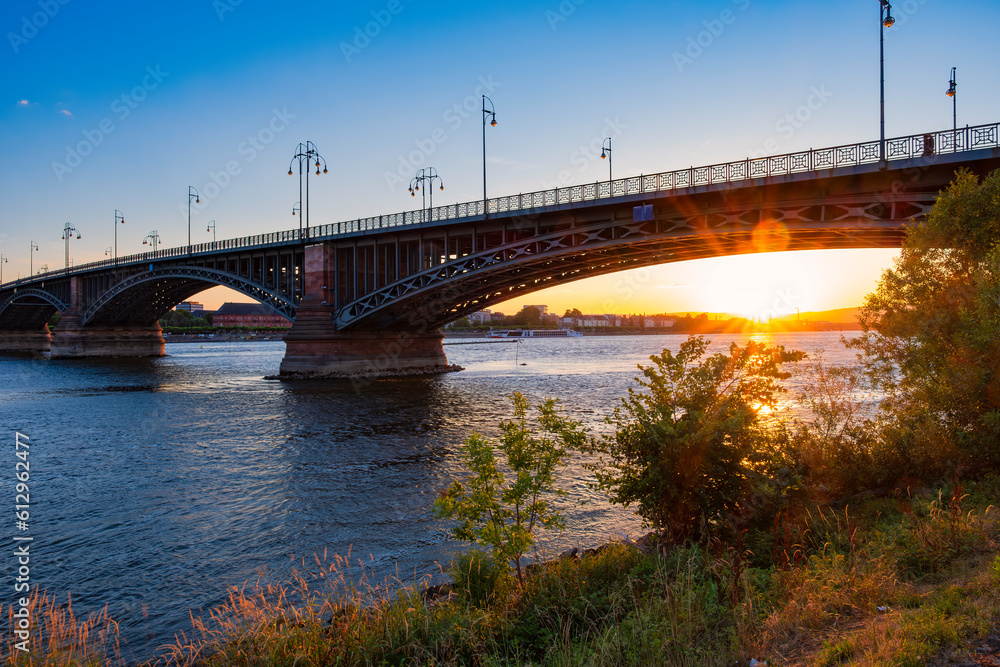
(755, 286)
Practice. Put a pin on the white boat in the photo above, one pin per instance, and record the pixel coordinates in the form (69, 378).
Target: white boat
(533, 333)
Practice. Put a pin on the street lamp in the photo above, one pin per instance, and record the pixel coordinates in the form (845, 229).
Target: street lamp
(951, 92)
(118, 218)
(492, 115)
(885, 20)
(152, 239)
(108, 251)
(211, 228)
(68, 231)
(3, 260)
(425, 175)
(306, 153)
(297, 206)
(192, 194)
(31, 258)
(606, 148)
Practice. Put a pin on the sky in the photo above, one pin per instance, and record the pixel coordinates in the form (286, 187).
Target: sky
(122, 106)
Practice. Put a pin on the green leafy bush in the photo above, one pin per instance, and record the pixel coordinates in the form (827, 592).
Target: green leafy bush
(685, 449)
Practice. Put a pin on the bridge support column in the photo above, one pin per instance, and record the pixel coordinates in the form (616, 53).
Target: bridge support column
(313, 348)
(25, 342)
(70, 340)
(73, 340)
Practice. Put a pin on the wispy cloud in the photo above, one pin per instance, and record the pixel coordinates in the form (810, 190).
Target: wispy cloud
(23, 103)
(66, 112)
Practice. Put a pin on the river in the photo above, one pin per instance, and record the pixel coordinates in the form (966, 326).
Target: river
(157, 484)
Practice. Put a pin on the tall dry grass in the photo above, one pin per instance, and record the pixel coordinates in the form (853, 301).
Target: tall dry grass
(58, 637)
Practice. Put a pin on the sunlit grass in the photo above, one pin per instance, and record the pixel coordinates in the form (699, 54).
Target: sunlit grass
(58, 637)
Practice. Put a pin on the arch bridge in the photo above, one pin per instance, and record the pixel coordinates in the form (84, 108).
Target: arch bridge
(368, 296)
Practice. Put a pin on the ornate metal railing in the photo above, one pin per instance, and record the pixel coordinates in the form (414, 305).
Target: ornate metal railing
(908, 147)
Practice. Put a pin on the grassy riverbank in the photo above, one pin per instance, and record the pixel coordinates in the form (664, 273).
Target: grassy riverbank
(894, 581)
(891, 581)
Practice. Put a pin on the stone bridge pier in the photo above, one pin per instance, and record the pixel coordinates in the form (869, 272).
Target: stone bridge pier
(314, 347)
(73, 338)
(25, 342)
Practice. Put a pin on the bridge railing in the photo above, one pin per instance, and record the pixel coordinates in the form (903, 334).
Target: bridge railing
(913, 146)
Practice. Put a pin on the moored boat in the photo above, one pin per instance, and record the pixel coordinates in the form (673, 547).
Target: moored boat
(533, 333)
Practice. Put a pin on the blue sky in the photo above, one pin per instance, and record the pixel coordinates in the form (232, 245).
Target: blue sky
(117, 105)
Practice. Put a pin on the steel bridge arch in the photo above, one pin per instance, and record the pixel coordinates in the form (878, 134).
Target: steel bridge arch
(190, 274)
(458, 287)
(30, 291)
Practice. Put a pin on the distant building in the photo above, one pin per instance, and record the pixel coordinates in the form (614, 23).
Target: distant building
(542, 310)
(481, 317)
(192, 307)
(248, 315)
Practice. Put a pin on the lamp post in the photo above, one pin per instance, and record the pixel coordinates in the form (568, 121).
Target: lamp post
(492, 115)
(885, 20)
(306, 153)
(108, 251)
(951, 92)
(152, 239)
(297, 206)
(192, 194)
(606, 148)
(68, 231)
(425, 175)
(211, 228)
(3, 260)
(31, 258)
(121, 218)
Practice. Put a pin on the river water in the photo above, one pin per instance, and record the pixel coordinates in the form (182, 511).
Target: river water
(158, 484)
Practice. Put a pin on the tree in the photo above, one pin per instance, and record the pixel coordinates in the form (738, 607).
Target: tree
(503, 512)
(930, 338)
(528, 316)
(573, 313)
(682, 449)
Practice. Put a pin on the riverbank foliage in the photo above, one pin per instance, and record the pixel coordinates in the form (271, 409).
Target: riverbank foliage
(901, 580)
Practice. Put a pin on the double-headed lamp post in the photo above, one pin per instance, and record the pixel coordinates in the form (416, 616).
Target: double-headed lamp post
(425, 175)
(31, 258)
(152, 239)
(885, 20)
(119, 217)
(606, 152)
(68, 231)
(490, 115)
(952, 93)
(308, 154)
(211, 228)
(192, 194)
